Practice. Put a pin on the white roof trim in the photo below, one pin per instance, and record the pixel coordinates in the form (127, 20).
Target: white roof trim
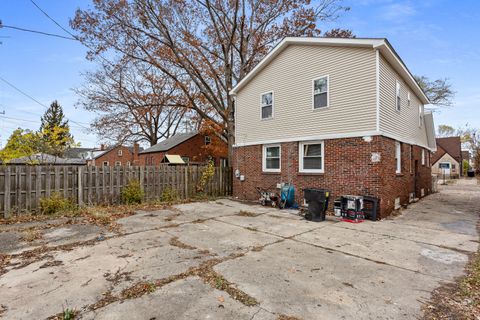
(380, 44)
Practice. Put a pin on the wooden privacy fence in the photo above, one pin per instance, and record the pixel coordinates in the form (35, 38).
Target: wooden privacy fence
(22, 187)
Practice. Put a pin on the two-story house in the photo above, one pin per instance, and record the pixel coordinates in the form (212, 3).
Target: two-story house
(341, 114)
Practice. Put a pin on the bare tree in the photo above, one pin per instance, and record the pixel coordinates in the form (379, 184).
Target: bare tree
(439, 92)
(204, 46)
(133, 101)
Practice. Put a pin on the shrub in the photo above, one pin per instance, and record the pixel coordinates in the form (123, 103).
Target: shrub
(169, 195)
(132, 193)
(55, 203)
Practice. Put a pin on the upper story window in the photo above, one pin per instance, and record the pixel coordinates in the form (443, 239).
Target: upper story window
(409, 101)
(271, 158)
(420, 115)
(398, 157)
(311, 157)
(118, 163)
(398, 101)
(267, 105)
(208, 140)
(320, 92)
(119, 152)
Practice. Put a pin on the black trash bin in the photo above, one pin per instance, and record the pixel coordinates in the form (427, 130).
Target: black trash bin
(317, 200)
(471, 173)
(371, 207)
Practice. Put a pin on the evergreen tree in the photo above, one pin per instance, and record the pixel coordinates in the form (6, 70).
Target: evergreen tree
(55, 129)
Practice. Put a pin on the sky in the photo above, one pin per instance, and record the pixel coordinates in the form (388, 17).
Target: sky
(435, 38)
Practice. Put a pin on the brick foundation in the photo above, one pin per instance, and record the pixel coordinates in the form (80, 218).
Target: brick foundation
(348, 170)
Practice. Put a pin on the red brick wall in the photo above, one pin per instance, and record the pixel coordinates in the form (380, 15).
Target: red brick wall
(191, 148)
(348, 170)
(112, 156)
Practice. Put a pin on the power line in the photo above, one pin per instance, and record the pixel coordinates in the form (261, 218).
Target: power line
(35, 100)
(53, 20)
(39, 32)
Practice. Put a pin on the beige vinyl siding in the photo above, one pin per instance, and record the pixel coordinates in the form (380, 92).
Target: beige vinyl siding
(352, 95)
(403, 124)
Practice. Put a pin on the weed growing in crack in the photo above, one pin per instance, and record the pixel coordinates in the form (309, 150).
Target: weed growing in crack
(244, 213)
(177, 243)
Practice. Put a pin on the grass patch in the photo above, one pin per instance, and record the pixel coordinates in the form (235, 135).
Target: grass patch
(177, 243)
(244, 213)
(30, 235)
(285, 317)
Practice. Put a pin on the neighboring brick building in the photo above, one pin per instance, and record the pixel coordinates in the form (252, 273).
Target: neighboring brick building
(191, 146)
(345, 115)
(115, 156)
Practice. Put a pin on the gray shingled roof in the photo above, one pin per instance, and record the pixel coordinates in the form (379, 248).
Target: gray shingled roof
(43, 158)
(169, 143)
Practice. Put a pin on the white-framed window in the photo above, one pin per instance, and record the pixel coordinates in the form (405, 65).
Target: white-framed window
(118, 163)
(321, 98)
(208, 140)
(311, 156)
(420, 115)
(398, 99)
(119, 152)
(409, 101)
(398, 157)
(105, 163)
(423, 157)
(266, 102)
(128, 164)
(271, 158)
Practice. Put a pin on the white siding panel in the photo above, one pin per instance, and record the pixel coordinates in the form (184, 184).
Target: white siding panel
(352, 105)
(403, 123)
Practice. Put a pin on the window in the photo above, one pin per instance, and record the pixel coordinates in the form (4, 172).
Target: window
(398, 98)
(320, 92)
(186, 159)
(408, 99)
(267, 105)
(311, 157)
(129, 164)
(118, 163)
(453, 165)
(105, 163)
(208, 140)
(271, 158)
(423, 157)
(398, 157)
(420, 115)
(119, 152)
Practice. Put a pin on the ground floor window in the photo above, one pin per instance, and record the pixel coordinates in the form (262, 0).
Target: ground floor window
(271, 158)
(398, 157)
(311, 157)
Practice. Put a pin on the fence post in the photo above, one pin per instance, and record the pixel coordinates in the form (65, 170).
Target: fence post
(6, 202)
(186, 182)
(80, 186)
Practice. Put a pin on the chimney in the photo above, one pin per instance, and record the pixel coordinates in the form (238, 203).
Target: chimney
(102, 147)
(136, 148)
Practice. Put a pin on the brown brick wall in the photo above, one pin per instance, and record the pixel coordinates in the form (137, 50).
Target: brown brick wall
(112, 156)
(348, 170)
(192, 148)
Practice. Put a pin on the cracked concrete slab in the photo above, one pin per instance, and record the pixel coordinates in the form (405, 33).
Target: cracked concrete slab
(310, 283)
(388, 249)
(220, 238)
(184, 299)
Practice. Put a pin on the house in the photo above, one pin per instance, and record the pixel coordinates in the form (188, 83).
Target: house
(118, 155)
(447, 160)
(47, 159)
(192, 147)
(341, 114)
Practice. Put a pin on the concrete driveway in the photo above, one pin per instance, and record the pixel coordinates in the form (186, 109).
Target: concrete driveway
(230, 260)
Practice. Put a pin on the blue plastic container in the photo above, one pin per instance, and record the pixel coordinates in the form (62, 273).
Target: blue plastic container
(287, 196)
